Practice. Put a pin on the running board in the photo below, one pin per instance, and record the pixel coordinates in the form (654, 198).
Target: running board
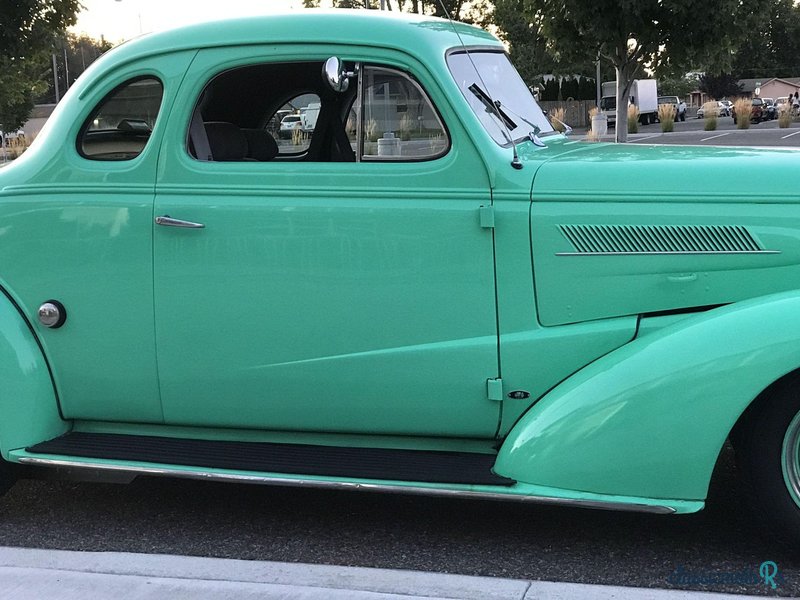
(474, 492)
(421, 466)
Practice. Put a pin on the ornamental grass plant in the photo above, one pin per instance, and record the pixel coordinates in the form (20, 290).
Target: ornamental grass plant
(633, 119)
(710, 112)
(743, 107)
(666, 116)
(785, 116)
(557, 116)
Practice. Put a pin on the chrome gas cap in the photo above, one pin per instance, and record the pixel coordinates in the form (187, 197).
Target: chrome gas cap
(52, 314)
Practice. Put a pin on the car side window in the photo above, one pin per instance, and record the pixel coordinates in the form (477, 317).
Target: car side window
(399, 122)
(286, 112)
(120, 126)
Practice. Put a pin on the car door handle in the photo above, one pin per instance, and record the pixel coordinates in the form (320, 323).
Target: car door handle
(168, 221)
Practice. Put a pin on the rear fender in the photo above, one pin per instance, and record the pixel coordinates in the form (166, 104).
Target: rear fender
(28, 403)
(650, 418)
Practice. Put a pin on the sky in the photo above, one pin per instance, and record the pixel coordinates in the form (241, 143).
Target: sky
(119, 20)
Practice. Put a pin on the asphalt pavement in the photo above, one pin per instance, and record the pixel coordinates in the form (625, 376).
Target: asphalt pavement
(715, 550)
(691, 132)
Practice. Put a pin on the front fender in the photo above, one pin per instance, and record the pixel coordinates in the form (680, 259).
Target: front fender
(650, 418)
(28, 404)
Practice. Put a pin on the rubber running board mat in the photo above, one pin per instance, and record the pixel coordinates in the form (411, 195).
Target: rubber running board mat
(427, 466)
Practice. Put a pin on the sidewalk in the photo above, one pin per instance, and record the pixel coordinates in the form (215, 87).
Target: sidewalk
(39, 574)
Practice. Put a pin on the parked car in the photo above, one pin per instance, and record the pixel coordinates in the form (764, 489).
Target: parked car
(183, 296)
(680, 106)
(12, 138)
(756, 111)
(289, 124)
(769, 109)
(722, 110)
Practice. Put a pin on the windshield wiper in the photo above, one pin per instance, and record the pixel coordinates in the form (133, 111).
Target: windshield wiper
(492, 107)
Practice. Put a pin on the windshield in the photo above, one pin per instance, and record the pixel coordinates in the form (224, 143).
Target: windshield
(500, 81)
(608, 103)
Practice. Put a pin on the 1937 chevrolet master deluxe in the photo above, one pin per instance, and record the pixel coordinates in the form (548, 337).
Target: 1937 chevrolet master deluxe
(398, 297)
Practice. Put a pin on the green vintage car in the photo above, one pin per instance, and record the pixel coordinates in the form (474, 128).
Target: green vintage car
(431, 292)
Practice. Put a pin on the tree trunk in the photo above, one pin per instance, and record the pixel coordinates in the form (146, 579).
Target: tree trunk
(624, 82)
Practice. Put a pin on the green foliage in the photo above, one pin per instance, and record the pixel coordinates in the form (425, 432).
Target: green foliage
(631, 33)
(588, 89)
(775, 51)
(723, 85)
(677, 86)
(28, 29)
(550, 90)
(81, 51)
(529, 48)
(570, 88)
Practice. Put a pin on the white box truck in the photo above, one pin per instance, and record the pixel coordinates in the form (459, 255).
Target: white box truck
(643, 95)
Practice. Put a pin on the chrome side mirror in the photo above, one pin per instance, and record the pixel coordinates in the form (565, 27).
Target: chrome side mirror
(335, 75)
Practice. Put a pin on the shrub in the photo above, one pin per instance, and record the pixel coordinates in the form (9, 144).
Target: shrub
(633, 119)
(710, 114)
(557, 116)
(666, 115)
(743, 107)
(785, 116)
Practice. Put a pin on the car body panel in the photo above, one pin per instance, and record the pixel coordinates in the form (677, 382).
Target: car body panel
(27, 398)
(80, 231)
(660, 408)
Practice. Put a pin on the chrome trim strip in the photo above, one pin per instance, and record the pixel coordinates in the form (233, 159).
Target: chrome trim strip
(710, 252)
(347, 485)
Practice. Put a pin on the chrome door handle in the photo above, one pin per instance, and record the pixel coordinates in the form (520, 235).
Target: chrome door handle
(168, 221)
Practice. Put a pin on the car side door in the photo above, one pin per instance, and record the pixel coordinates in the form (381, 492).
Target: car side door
(344, 285)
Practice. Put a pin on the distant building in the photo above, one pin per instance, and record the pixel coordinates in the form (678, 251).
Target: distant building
(773, 87)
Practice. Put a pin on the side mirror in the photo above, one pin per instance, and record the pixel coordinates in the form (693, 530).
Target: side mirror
(335, 75)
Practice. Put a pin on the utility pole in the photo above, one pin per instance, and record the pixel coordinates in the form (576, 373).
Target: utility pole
(597, 81)
(66, 70)
(55, 79)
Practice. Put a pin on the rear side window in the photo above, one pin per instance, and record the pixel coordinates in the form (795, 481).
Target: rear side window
(120, 126)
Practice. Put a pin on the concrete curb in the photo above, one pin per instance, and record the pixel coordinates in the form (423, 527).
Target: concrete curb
(35, 574)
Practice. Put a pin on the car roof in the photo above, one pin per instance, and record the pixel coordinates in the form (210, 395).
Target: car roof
(419, 35)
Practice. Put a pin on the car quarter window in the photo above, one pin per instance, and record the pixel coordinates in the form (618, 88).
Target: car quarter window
(287, 112)
(120, 125)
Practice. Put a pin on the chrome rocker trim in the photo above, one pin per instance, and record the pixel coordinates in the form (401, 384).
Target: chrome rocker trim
(347, 485)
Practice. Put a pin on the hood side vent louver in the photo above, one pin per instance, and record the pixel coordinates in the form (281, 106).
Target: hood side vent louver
(659, 239)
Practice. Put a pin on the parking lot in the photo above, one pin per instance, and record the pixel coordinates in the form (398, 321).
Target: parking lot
(692, 132)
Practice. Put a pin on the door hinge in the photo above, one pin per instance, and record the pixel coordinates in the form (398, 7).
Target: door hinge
(487, 217)
(494, 389)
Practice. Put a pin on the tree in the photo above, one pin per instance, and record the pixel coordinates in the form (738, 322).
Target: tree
(630, 34)
(775, 50)
(720, 86)
(677, 86)
(27, 31)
